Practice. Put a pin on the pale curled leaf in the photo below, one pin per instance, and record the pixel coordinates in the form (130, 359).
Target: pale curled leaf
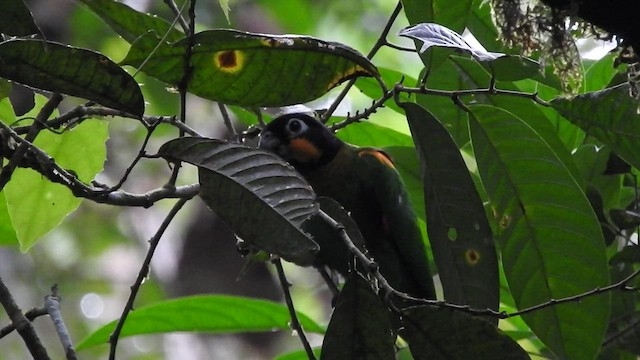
(262, 198)
(438, 35)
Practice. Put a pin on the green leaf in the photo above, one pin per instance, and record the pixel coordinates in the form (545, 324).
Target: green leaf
(360, 327)
(224, 5)
(629, 254)
(7, 232)
(552, 245)
(481, 25)
(442, 333)
(371, 87)
(16, 19)
(216, 314)
(253, 69)
(525, 109)
(262, 198)
(459, 232)
(131, 24)
(298, 355)
(609, 115)
(600, 74)
(68, 70)
(512, 68)
(36, 205)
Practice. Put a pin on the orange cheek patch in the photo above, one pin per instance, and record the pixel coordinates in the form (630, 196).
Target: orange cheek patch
(302, 150)
(379, 155)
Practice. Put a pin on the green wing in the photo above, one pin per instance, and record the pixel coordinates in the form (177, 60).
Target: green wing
(397, 243)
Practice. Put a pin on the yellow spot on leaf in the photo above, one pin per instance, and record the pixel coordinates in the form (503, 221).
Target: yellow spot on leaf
(346, 75)
(472, 257)
(230, 61)
(505, 221)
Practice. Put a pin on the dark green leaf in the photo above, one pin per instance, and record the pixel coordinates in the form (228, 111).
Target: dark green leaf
(512, 68)
(16, 19)
(360, 327)
(441, 333)
(552, 246)
(629, 254)
(262, 198)
(131, 24)
(480, 24)
(625, 219)
(217, 314)
(253, 69)
(599, 75)
(610, 116)
(371, 87)
(333, 251)
(459, 233)
(5, 88)
(68, 70)
(525, 109)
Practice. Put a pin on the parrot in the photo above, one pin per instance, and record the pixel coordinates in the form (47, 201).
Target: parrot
(364, 181)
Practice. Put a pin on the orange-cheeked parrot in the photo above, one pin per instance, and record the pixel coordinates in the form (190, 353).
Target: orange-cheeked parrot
(365, 182)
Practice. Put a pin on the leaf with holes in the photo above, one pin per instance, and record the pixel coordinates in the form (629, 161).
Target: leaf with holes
(459, 232)
(552, 245)
(360, 327)
(442, 333)
(249, 69)
(609, 115)
(214, 314)
(262, 198)
(69, 70)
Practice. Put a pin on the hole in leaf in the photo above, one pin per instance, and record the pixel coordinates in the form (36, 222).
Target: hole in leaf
(452, 234)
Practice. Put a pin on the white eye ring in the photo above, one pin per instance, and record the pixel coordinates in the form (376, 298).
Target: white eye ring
(296, 127)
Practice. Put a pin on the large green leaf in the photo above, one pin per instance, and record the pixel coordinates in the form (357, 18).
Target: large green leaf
(16, 19)
(525, 109)
(217, 314)
(441, 333)
(253, 69)
(7, 232)
(262, 198)
(459, 233)
(69, 70)
(609, 115)
(360, 327)
(131, 24)
(552, 245)
(35, 204)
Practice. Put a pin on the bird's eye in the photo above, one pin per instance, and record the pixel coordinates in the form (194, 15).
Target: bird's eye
(296, 126)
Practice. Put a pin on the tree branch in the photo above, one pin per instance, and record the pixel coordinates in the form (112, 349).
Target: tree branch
(295, 324)
(142, 274)
(20, 323)
(52, 304)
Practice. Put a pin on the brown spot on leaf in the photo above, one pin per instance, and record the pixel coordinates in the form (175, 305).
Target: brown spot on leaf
(472, 257)
(229, 60)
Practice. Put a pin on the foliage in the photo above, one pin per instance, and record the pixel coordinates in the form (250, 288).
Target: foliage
(527, 196)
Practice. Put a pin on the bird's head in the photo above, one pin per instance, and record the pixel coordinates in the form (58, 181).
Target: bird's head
(301, 140)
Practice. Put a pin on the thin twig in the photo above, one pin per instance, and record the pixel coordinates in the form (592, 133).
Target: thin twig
(142, 274)
(227, 122)
(458, 93)
(30, 315)
(295, 324)
(22, 324)
(382, 41)
(52, 304)
(178, 14)
(40, 161)
(34, 130)
(372, 267)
